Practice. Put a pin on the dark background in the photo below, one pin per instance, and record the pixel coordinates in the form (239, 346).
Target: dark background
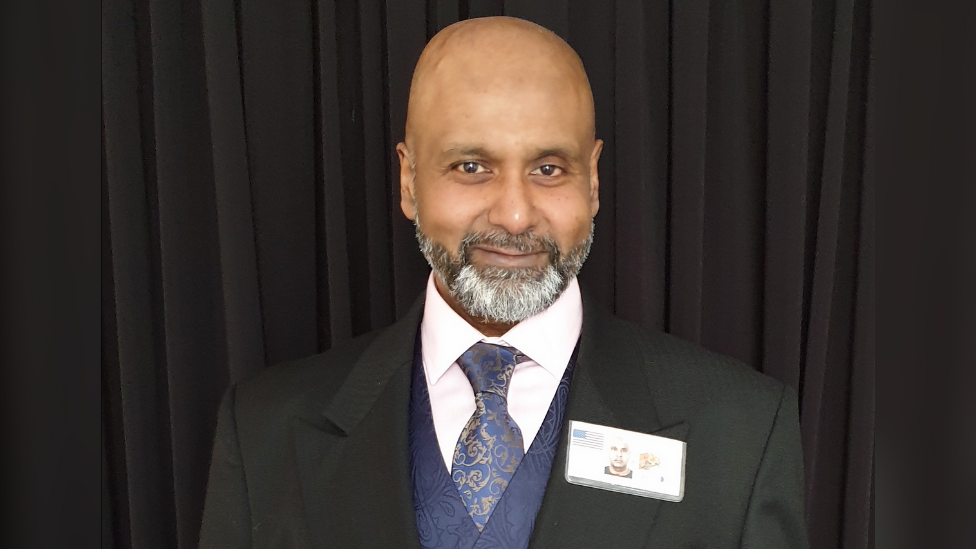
(250, 211)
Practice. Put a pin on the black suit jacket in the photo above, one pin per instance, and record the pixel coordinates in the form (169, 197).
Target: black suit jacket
(314, 453)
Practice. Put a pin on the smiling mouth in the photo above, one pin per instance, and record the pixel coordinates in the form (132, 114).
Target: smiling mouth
(507, 257)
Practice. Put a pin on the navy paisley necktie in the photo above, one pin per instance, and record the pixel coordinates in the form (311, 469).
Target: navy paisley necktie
(489, 449)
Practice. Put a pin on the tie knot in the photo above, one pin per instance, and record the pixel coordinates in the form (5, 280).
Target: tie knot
(489, 367)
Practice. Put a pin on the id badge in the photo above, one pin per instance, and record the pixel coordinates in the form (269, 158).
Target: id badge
(633, 463)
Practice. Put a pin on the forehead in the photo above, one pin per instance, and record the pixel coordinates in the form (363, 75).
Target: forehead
(482, 105)
(499, 119)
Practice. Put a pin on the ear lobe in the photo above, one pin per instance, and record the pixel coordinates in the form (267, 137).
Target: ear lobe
(408, 203)
(595, 177)
(408, 207)
(408, 199)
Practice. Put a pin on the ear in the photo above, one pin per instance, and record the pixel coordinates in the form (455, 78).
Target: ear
(595, 177)
(408, 197)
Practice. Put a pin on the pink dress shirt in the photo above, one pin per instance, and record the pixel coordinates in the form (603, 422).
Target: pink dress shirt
(547, 339)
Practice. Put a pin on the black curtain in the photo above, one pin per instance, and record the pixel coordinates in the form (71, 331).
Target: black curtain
(250, 210)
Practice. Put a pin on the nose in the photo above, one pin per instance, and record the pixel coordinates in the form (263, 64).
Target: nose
(513, 208)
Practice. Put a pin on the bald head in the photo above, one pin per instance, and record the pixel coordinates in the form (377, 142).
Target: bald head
(499, 168)
(499, 55)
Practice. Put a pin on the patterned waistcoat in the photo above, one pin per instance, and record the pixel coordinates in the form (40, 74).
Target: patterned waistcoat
(442, 520)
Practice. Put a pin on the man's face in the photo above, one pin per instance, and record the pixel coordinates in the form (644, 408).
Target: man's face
(501, 181)
(619, 453)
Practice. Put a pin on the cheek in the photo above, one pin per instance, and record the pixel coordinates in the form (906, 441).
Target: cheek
(445, 215)
(569, 218)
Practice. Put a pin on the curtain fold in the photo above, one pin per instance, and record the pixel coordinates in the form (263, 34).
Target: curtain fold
(232, 185)
(251, 210)
(138, 398)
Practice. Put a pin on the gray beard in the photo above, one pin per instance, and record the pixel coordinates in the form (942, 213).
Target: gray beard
(499, 294)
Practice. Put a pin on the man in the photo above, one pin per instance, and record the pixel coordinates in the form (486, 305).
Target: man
(618, 451)
(467, 399)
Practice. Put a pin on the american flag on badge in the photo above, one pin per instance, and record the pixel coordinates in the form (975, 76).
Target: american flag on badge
(588, 439)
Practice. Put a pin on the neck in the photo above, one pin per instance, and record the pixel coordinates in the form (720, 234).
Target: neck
(487, 327)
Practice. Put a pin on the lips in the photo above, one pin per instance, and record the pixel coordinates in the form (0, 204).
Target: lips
(507, 257)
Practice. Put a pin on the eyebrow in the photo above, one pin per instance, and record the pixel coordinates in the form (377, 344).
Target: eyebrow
(560, 152)
(481, 152)
(466, 150)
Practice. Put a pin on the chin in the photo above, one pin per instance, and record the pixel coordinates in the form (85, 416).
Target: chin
(502, 294)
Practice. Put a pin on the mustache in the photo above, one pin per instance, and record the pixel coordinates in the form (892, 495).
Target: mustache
(522, 243)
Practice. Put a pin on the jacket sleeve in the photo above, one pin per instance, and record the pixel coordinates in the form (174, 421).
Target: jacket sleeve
(226, 514)
(775, 516)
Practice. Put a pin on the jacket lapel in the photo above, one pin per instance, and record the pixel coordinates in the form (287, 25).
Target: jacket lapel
(351, 449)
(610, 387)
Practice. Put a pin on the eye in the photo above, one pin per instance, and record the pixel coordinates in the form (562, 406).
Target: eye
(548, 170)
(470, 168)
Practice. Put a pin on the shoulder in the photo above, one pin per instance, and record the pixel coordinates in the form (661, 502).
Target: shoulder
(705, 376)
(305, 386)
(686, 374)
(289, 386)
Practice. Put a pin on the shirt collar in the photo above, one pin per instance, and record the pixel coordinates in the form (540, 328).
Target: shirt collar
(547, 338)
